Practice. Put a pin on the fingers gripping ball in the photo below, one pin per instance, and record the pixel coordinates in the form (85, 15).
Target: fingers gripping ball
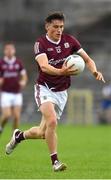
(75, 62)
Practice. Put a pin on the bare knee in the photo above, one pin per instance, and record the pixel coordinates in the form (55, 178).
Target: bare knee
(52, 122)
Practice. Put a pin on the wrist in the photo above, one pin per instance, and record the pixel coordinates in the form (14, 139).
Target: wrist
(95, 73)
(22, 83)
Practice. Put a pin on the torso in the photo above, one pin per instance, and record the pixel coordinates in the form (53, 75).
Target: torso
(10, 72)
(56, 54)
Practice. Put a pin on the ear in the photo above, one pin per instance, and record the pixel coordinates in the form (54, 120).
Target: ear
(47, 26)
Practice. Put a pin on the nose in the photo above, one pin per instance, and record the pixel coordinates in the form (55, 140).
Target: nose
(59, 30)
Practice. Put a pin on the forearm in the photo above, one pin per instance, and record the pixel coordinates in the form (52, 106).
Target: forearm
(51, 70)
(23, 79)
(47, 68)
(1, 81)
(91, 66)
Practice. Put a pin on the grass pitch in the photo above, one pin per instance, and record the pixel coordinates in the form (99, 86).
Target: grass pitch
(85, 150)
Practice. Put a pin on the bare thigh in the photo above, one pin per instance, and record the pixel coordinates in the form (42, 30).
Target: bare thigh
(48, 113)
(6, 112)
(16, 112)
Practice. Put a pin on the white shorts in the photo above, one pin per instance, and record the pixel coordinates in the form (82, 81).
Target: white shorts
(44, 94)
(11, 99)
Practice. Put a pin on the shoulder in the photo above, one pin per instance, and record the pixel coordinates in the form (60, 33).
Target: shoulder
(41, 39)
(18, 61)
(69, 37)
(1, 61)
(39, 46)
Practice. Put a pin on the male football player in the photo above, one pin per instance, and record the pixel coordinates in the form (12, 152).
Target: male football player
(13, 79)
(52, 83)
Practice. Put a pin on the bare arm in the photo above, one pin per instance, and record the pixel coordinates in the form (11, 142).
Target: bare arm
(91, 66)
(23, 80)
(1, 81)
(47, 68)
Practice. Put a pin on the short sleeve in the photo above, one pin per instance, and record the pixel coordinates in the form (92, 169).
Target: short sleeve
(38, 48)
(76, 44)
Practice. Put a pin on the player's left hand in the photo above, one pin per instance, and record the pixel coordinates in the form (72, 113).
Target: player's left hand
(98, 75)
(22, 84)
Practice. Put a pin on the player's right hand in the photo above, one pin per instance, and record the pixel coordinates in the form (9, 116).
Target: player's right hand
(67, 71)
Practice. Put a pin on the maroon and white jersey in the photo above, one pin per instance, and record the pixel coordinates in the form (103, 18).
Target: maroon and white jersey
(10, 71)
(56, 53)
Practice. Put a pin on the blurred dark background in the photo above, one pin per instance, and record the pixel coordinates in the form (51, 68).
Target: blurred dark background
(22, 21)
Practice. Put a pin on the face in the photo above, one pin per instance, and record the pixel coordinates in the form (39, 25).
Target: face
(55, 29)
(9, 50)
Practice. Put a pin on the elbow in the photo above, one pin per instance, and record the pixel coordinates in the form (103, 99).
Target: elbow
(44, 68)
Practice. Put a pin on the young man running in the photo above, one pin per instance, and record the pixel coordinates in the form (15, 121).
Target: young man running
(52, 84)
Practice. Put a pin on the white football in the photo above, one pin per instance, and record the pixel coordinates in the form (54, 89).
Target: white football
(77, 61)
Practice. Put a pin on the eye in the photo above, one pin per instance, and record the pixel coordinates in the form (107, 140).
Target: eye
(55, 26)
(61, 27)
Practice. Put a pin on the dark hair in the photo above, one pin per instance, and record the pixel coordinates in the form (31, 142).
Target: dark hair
(55, 16)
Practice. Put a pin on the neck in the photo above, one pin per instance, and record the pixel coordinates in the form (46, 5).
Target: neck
(9, 57)
(52, 40)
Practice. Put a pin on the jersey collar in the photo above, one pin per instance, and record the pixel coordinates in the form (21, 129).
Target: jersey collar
(50, 40)
(10, 61)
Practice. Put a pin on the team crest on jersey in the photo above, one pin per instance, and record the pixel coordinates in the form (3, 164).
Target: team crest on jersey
(66, 45)
(58, 49)
(44, 97)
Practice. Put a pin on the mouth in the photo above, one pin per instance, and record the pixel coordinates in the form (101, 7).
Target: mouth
(58, 35)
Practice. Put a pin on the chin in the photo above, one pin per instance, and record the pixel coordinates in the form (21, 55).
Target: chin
(57, 38)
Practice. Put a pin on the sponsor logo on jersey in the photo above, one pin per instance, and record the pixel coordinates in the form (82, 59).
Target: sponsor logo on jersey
(66, 45)
(10, 74)
(55, 62)
(58, 49)
(50, 49)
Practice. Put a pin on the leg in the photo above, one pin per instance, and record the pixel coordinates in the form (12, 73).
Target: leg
(6, 114)
(48, 111)
(46, 129)
(37, 132)
(6, 110)
(16, 111)
(33, 133)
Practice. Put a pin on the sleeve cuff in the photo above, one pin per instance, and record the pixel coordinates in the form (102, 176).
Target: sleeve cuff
(39, 55)
(79, 50)
(23, 71)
